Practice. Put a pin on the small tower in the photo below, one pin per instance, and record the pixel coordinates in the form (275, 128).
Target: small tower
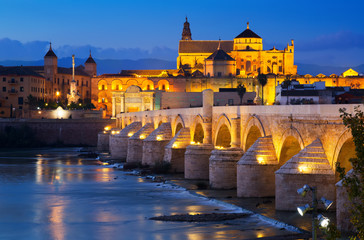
(50, 63)
(90, 66)
(186, 33)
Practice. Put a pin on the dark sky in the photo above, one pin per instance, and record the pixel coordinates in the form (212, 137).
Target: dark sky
(325, 32)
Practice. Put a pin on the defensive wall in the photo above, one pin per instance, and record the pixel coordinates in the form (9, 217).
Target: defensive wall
(66, 131)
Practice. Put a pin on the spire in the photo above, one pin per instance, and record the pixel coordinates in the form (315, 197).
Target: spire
(186, 33)
(218, 48)
(90, 59)
(50, 52)
(247, 25)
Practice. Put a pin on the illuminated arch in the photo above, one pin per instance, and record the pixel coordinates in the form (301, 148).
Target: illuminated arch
(345, 138)
(253, 121)
(197, 129)
(131, 82)
(102, 97)
(223, 132)
(147, 85)
(291, 143)
(102, 85)
(116, 85)
(163, 85)
(178, 124)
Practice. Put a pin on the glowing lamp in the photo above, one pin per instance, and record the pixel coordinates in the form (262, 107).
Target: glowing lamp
(303, 169)
(142, 136)
(303, 191)
(105, 132)
(117, 132)
(107, 128)
(112, 132)
(323, 221)
(192, 143)
(175, 145)
(260, 160)
(159, 138)
(105, 163)
(303, 209)
(46, 104)
(326, 203)
(39, 112)
(130, 134)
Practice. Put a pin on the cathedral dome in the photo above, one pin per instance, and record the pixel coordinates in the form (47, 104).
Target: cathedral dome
(247, 33)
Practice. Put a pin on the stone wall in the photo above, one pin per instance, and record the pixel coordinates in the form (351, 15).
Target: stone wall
(75, 132)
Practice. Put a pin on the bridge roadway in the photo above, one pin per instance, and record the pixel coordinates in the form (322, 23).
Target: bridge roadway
(260, 150)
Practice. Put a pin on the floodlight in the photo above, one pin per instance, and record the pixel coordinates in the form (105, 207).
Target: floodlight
(323, 221)
(303, 191)
(303, 209)
(326, 203)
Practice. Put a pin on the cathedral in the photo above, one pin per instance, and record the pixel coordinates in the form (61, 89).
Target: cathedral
(247, 57)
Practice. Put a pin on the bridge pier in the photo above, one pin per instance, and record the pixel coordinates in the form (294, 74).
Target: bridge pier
(154, 145)
(103, 141)
(343, 208)
(176, 149)
(119, 142)
(255, 170)
(135, 143)
(310, 166)
(197, 161)
(222, 168)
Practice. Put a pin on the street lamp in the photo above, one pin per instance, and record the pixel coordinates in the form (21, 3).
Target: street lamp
(57, 94)
(316, 219)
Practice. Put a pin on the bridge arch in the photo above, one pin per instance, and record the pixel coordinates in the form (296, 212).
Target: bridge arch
(197, 129)
(223, 132)
(252, 130)
(290, 144)
(178, 124)
(344, 150)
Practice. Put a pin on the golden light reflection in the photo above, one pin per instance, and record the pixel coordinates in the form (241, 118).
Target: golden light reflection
(219, 147)
(56, 217)
(260, 235)
(192, 143)
(104, 175)
(261, 160)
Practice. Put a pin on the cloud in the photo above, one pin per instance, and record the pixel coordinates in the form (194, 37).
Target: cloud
(35, 50)
(342, 40)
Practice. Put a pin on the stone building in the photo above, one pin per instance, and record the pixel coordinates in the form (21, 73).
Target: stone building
(246, 49)
(16, 84)
(58, 79)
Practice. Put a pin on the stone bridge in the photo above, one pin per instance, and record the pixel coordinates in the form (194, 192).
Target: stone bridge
(260, 150)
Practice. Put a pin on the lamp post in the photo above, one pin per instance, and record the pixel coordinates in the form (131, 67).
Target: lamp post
(57, 94)
(316, 219)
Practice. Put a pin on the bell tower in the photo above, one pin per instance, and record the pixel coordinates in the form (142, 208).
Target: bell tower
(186, 33)
(90, 66)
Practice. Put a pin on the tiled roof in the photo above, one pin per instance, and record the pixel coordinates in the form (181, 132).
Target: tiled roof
(193, 46)
(50, 53)
(247, 33)
(19, 71)
(220, 55)
(90, 60)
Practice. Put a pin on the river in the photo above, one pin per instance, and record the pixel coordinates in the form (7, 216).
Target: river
(55, 194)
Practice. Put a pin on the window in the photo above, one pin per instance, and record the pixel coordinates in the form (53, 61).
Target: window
(4, 89)
(21, 79)
(280, 68)
(86, 83)
(20, 107)
(219, 74)
(103, 100)
(21, 89)
(103, 87)
(163, 87)
(20, 100)
(4, 79)
(77, 82)
(231, 102)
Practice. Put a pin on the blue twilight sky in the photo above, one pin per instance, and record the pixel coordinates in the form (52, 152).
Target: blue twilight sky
(325, 32)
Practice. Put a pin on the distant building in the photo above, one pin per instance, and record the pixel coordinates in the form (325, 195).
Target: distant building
(316, 93)
(16, 84)
(350, 73)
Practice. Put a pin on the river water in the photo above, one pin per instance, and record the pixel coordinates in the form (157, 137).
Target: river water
(54, 194)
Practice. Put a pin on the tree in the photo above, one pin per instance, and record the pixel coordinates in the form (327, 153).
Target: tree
(262, 78)
(285, 84)
(241, 91)
(354, 183)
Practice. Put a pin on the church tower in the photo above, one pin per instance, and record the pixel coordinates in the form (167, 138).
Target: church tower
(186, 33)
(50, 72)
(90, 66)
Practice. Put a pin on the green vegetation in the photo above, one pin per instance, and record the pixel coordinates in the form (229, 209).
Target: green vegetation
(355, 182)
(36, 104)
(262, 78)
(241, 91)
